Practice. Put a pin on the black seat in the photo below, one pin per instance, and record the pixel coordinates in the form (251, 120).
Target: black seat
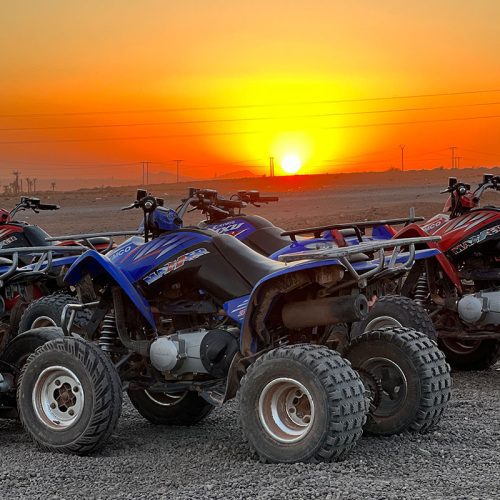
(249, 264)
(100, 240)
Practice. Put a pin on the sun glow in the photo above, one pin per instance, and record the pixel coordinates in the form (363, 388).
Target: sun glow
(291, 164)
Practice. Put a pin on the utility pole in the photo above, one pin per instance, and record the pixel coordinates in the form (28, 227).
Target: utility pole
(28, 181)
(16, 182)
(53, 184)
(145, 173)
(34, 184)
(402, 146)
(177, 163)
(458, 158)
(271, 166)
(453, 156)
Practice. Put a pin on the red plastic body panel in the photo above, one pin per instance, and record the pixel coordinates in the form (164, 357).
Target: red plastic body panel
(414, 230)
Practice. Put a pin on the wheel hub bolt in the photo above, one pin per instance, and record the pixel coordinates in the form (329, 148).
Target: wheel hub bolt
(52, 405)
(57, 382)
(71, 412)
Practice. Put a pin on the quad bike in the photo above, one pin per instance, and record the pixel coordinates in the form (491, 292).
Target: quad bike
(32, 265)
(225, 217)
(185, 318)
(460, 287)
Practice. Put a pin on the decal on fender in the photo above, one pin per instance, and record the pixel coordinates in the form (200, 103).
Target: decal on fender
(473, 240)
(174, 265)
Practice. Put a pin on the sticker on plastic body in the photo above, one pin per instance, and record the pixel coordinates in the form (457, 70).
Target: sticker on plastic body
(174, 265)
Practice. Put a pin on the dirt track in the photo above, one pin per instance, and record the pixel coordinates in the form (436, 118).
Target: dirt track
(458, 460)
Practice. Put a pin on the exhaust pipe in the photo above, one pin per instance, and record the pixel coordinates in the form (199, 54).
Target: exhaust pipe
(326, 311)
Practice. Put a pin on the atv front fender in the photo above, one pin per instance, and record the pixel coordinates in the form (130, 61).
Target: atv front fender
(415, 231)
(100, 268)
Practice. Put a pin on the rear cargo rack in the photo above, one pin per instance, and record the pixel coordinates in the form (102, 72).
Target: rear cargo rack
(383, 263)
(43, 263)
(358, 227)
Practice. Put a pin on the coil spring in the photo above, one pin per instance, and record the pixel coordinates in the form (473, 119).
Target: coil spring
(108, 341)
(421, 290)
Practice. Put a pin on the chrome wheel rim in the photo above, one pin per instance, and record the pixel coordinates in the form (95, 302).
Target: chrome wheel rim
(42, 321)
(286, 410)
(58, 398)
(393, 382)
(164, 398)
(382, 322)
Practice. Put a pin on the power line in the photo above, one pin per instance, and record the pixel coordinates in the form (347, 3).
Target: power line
(231, 120)
(249, 132)
(243, 106)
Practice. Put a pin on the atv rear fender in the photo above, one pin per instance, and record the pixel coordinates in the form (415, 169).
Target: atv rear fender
(261, 300)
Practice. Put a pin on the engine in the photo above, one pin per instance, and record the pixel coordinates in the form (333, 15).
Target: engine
(482, 308)
(198, 351)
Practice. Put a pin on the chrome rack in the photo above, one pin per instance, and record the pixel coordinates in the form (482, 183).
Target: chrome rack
(383, 262)
(358, 226)
(43, 263)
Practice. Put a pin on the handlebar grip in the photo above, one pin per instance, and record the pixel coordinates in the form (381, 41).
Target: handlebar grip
(231, 203)
(267, 199)
(47, 206)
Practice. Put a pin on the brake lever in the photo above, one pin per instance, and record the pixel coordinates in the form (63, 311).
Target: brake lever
(131, 206)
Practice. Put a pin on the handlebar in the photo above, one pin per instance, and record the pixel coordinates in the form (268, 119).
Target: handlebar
(34, 204)
(254, 197)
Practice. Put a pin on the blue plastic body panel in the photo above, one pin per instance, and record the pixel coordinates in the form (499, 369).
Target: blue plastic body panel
(96, 264)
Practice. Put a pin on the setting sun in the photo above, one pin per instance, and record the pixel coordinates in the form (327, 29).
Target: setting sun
(291, 164)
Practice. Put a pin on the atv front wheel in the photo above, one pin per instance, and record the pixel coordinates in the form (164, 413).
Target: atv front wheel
(302, 403)
(470, 354)
(185, 408)
(407, 377)
(47, 311)
(396, 311)
(69, 396)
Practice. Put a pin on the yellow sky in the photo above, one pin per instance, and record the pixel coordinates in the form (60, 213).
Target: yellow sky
(252, 79)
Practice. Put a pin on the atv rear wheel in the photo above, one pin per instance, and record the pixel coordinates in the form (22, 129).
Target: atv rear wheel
(185, 408)
(69, 396)
(396, 311)
(47, 311)
(470, 354)
(412, 373)
(302, 403)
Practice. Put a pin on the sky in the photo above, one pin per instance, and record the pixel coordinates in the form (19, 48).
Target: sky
(89, 90)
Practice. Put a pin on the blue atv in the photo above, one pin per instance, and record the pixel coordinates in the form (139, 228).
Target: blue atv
(387, 306)
(184, 318)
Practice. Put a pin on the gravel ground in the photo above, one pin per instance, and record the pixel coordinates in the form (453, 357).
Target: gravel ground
(460, 459)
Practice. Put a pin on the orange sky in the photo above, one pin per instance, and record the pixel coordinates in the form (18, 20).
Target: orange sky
(90, 89)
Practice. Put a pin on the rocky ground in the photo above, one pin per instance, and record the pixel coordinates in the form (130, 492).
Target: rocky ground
(458, 460)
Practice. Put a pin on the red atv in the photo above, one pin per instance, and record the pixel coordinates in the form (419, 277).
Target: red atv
(20, 285)
(461, 287)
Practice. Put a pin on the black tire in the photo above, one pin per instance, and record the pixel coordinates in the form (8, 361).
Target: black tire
(47, 311)
(176, 409)
(74, 361)
(322, 377)
(470, 355)
(396, 311)
(412, 373)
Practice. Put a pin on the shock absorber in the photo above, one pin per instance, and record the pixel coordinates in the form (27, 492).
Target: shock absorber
(109, 341)
(421, 290)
